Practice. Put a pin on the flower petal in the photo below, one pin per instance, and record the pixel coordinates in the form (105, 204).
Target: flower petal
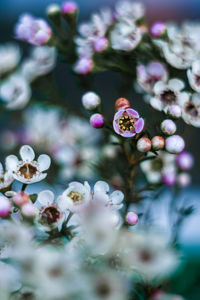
(11, 162)
(44, 162)
(176, 84)
(139, 125)
(45, 198)
(27, 153)
(159, 87)
(101, 186)
(117, 197)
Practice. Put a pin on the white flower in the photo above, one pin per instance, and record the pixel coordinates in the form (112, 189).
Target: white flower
(129, 9)
(125, 36)
(101, 195)
(194, 76)
(15, 92)
(167, 94)
(28, 170)
(41, 62)
(191, 109)
(10, 55)
(76, 197)
(6, 178)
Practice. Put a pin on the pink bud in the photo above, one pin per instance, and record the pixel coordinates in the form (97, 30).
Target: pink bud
(131, 218)
(21, 198)
(144, 144)
(28, 209)
(185, 160)
(122, 103)
(168, 127)
(83, 66)
(175, 111)
(100, 44)
(97, 121)
(174, 144)
(69, 7)
(169, 178)
(158, 28)
(4, 206)
(158, 142)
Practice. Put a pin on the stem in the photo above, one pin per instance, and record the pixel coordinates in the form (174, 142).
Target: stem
(24, 187)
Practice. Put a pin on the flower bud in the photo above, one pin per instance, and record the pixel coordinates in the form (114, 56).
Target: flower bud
(97, 121)
(158, 29)
(53, 13)
(185, 161)
(174, 144)
(69, 7)
(100, 44)
(174, 111)
(144, 144)
(4, 206)
(28, 210)
(183, 179)
(168, 127)
(83, 66)
(90, 100)
(169, 178)
(131, 218)
(158, 142)
(122, 103)
(21, 198)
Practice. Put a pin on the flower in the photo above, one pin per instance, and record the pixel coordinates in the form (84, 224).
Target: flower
(168, 127)
(28, 170)
(191, 109)
(83, 66)
(97, 120)
(174, 144)
(34, 31)
(4, 206)
(132, 218)
(15, 92)
(75, 198)
(6, 178)
(167, 94)
(148, 75)
(69, 7)
(157, 29)
(90, 100)
(158, 142)
(193, 75)
(127, 122)
(10, 55)
(125, 36)
(185, 161)
(143, 144)
(129, 9)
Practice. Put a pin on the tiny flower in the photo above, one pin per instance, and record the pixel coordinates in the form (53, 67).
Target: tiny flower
(168, 127)
(167, 94)
(131, 218)
(4, 206)
(158, 29)
(6, 178)
(169, 178)
(21, 198)
(127, 122)
(15, 92)
(148, 75)
(183, 179)
(175, 111)
(28, 170)
(84, 65)
(158, 142)
(97, 121)
(75, 198)
(194, 76)
(174, 144)
(143, 144)
(34, 31)
(28, 210)
(69, 7)
(185, 161)
(122, 103)
(100, 44)
(91, 100)
(191, 109)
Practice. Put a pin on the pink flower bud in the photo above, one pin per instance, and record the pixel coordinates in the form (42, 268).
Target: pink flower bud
(144, 144)
(21, 198)
(90, 100)
(4, 206)
(183, 179)
(83, 66)
(28, 210)
(175, 111)
(97, 121)
(169, 178)
(122, 103)
(168, 127)
(158, 29)
(185, 161)
(158, 142)
(100, 44)
(69, 7)
(131, 218)
(174, 144)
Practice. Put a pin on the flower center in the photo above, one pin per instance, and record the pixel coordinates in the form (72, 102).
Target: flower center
(50, 215)
(145, 256)
(168, 96)
(126, 123)
(191, 109)
(103, 289)
(197, 79)
(157, 164)
(76, 197)
(28, 171)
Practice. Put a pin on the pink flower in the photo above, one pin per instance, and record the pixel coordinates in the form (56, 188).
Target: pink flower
(131, 218)
(34, 31)
(4, 206)
(69, 7)
(158, 28)
(83, 66)
(127, 122)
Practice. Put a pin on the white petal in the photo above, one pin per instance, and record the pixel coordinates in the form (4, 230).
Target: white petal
(101, 197)
(101, 186)
(27, 153)
(117, 197)
(11, 162)
(156, 103)
(159, 87)
(1, 168)
(63, 203)
(45, 198)
(196, 99)
(44, 162)
(176, 84)
(196, 67)
(183, 98)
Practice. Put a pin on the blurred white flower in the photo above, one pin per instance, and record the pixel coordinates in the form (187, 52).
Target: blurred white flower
(10, 55)
(28, 170)
(15, 92)
(6, 178)
(193, 75)
(129, 9)
(191, 109)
